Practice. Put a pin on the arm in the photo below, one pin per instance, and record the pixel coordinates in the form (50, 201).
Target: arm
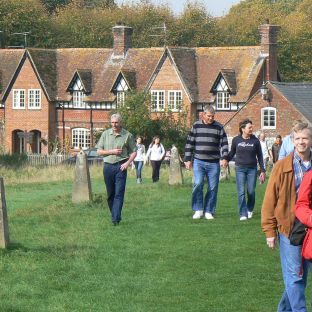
(260, 156)
(303, 210)
(163, 151)
(189, 148)
(224, 149)
(132, 150)
(268, 220)
(125, 165)
(233, 150)
(105, 152)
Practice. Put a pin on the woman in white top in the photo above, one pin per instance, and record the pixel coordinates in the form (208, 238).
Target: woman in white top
(139, 159)
(155, 153)
(265, 150)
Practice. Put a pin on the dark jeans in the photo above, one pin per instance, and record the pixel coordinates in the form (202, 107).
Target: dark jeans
(138, 167)
(115, 181)
(156, 168)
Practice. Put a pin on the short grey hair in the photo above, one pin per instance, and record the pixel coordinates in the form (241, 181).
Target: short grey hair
(302, 126)
(209, 109)
(116, 116)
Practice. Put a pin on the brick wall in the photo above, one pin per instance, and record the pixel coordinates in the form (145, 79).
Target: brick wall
(286, 113)
(27, 119)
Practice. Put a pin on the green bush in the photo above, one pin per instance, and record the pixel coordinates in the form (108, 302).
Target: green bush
(13, 160)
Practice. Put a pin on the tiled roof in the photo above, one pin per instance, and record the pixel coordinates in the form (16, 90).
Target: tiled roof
(197, 68)
(9, 61)
(245, 61)
(185, 60)
(299, 94)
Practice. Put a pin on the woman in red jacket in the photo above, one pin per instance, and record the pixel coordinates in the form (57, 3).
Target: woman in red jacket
(304, 201)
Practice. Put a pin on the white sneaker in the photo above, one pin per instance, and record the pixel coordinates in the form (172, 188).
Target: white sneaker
(250, 213)
(242, 218)
(209, 216)
(198, 214)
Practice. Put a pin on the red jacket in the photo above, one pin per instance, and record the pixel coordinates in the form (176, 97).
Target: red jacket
(303, 209)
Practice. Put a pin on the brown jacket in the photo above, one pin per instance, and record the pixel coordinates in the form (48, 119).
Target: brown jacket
(278, 207)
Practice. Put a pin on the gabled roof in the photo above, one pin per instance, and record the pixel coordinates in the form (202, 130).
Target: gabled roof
(129, 77)
(230, 79)
(245, 61)
(185, 61)
(85, 77)
(9, 62)
(45, 65)
(299, 94)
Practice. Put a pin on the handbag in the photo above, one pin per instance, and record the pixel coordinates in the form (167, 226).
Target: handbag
(307, 246)
(297, 233)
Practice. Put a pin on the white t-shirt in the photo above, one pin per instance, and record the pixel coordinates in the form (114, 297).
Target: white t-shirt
(155, 152)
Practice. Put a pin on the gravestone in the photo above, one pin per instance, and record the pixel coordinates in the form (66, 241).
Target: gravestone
(82, 183)
(175, 172)
(4, 224)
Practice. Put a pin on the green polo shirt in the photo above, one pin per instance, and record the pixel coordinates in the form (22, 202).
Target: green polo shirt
(123, 140)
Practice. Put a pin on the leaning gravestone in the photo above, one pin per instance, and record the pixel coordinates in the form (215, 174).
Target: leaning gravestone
(82, 183)
(4, 224)
(175, 172)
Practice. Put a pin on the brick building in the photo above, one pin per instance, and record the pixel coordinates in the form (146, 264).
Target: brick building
(69, 93)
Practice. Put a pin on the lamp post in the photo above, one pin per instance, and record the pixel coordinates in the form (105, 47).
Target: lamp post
(264, 92)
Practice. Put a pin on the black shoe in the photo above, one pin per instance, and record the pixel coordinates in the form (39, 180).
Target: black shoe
(115, 223)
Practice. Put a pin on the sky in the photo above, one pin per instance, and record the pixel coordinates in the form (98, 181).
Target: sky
(214, 7)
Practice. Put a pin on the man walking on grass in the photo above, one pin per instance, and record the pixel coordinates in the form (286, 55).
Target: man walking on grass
(278, 216)
(206, 145)
(119, 150)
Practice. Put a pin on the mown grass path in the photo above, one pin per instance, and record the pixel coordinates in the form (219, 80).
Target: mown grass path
(66, 257)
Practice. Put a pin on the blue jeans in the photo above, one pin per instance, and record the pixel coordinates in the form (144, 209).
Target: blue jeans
(201, 170)
(138, 168)
(115, 182)
(293, 298)
(246, 178)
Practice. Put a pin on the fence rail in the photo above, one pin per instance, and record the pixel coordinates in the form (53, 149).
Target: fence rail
(45, 160)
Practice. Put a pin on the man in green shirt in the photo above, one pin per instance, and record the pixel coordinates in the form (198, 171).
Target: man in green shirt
(118, 147)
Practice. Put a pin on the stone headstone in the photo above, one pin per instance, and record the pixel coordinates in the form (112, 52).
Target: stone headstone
(4, 224)
(82, 183)
(175, 172)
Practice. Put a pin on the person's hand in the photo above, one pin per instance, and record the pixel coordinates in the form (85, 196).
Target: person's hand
(271, 242)
(262, 177)
(116, 151)
(188, 165)
(224, 163)
(124, 166)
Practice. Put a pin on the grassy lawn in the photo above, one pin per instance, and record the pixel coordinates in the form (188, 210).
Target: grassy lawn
(66, 257)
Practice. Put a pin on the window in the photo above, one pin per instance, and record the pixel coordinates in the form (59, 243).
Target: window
(34, 98)
(78, 97)
(268, 118)
(175, 100)
(158, 101)
(120, 98)
(223, 100)
(81, 138)
(19, 99)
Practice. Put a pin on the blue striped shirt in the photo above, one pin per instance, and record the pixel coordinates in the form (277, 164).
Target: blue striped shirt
(300, 168)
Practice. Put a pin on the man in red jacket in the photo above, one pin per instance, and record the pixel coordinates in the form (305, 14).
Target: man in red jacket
(278, 215)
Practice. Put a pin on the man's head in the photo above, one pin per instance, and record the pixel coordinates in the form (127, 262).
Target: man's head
(262, 136)
(278, 139)
(302, 138)
(208, 114)
(116, 122)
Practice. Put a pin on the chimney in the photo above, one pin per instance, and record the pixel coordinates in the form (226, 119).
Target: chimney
(269, 34)
(122, 40)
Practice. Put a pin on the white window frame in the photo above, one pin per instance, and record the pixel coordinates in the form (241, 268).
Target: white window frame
(270, 110)
(16, 101)
(222, 100)
(81, 138)
(120, 98)
(78, 99)
(158, 103)
(175, 100)
(34, 99)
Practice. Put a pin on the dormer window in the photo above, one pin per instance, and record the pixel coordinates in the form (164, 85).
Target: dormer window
(121, 90)
(78, 95)
(222, 96)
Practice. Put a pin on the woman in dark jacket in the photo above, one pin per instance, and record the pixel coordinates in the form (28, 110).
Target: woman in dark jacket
(247, 149)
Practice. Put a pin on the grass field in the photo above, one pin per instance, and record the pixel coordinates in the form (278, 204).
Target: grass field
(66, 257)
